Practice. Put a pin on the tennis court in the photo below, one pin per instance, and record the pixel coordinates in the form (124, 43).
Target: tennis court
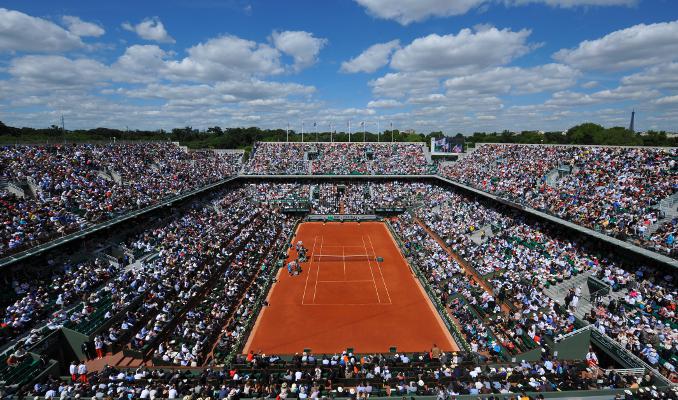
(355, 291)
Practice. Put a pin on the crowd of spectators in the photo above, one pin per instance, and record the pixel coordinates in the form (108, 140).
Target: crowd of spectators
(349, 376)
(337, 159)
(52, 190)
(47, 298)
(341, 197)
(204, 272)
(197, 256)
(615, 190)
(644, 320)
(520, 258)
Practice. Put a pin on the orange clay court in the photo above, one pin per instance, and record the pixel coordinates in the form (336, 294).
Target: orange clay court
(361, 304)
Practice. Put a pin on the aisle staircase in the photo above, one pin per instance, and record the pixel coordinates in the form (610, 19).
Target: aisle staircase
(559, 291)
(668, 209)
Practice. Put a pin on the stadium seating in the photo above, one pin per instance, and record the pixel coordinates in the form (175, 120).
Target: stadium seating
(186, 292)
(50, 191)
(338, 159)
(615, 190)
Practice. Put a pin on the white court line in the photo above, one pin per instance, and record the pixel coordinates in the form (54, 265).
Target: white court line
(374, 253)
(355, 280)
(317, 275)
(369, 265)
(345, 305)
(310, 264)
(343, 258)
(341, 245)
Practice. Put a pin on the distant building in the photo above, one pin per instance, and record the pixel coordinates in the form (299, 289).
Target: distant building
(633, 117)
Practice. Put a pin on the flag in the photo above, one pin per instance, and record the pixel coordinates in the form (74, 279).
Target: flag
(314, 124)
(362, 123)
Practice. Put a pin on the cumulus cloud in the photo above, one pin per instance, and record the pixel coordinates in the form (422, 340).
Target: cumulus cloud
(373, 58)
(58, 71)
(466, 51)
(384, 103)
(226, 57)
(402, 84)
(664, 76)
(141, 63)
(150, 29)
(668, 100)
(502, 80)
(81, 28)
(574, 3)
(22, 32)
(406, 12)
(638, 46)
(302, 46)
(619, 94)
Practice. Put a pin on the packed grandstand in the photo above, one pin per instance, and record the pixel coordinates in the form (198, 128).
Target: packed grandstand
(552, 268)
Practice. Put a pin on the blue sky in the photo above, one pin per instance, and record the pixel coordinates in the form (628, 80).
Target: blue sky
(451, 65)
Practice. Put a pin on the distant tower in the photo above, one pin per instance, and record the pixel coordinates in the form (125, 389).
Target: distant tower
(633, 117)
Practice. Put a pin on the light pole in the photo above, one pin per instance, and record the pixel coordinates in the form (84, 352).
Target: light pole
(349, 131)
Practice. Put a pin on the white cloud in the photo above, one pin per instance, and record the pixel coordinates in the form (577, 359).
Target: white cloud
(58, 71)
(384, 103)
(254, 88)
(619, 94)
(402, 84)
(373, 58)
(81, 28)
(22, 32)
(150, 29)
(574, 3)
(638, 46)
(668, 100)
(664, 76)
(590, 84)
(466, 51)
(407, 11)
(141, 63)
(502, 80)
(226, 57)
(301, 45)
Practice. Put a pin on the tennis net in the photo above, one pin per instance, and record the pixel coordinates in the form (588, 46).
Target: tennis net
(344, 257)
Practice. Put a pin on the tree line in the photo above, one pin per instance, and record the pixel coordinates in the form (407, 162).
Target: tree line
(243, 138)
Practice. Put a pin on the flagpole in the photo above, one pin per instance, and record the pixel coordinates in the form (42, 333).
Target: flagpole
(287, 132)
(378, 132)
(302, 131)
(331, 137)
(349, 131)
(364, 136)
(391, 132)
(315, 127)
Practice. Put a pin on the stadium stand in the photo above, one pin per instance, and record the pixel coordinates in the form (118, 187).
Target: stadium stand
(615, 190)
(338, 159)
(49, 191)
(165, 310)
